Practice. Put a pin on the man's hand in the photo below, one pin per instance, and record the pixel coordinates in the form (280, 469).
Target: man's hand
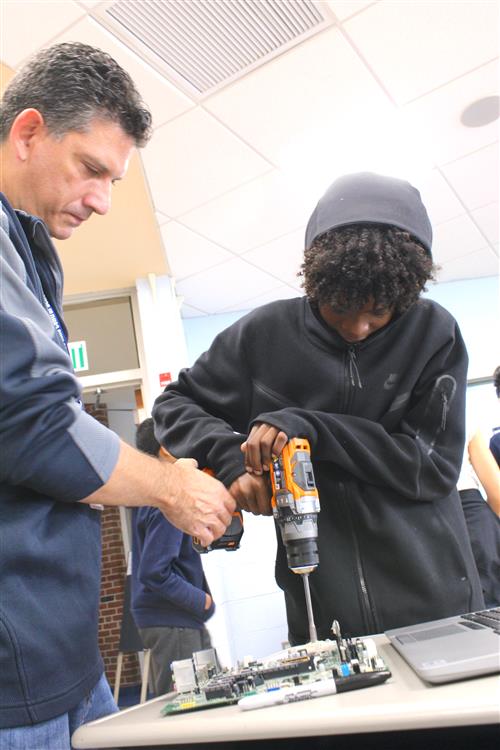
(208, 601)
(196, 503)
(192, 500)
(253, 494)
(263, 442)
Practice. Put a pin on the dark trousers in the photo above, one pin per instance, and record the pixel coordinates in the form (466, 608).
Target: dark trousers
(170, 644)
(484, 531)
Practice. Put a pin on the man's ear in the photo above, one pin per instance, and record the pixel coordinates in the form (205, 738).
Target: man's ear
(28, 126)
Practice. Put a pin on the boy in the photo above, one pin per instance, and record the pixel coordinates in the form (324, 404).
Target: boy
(374, 377)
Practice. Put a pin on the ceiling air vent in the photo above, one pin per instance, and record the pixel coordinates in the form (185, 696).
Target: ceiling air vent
(201, 45)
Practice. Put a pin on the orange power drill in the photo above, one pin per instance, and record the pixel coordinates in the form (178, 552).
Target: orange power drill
(230, 540)
(295, 504)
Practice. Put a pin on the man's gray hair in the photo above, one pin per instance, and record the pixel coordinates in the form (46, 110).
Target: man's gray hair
(71, 84)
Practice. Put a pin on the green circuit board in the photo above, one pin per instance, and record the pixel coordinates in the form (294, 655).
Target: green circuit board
(201, 684)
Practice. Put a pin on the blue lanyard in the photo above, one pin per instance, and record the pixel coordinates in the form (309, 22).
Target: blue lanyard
(58, 327)
(55, 322)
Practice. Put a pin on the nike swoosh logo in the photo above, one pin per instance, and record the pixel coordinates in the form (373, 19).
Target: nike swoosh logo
(391, 381)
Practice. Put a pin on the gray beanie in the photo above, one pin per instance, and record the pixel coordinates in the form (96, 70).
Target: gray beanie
(368, 198)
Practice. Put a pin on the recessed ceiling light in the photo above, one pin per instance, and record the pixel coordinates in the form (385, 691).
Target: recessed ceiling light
(481, 112)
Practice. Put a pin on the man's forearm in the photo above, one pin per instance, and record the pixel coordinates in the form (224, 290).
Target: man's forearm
(194, 502)
(137, 479)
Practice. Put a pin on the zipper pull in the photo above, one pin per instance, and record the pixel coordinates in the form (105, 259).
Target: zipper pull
(444, 411)
(353, 368)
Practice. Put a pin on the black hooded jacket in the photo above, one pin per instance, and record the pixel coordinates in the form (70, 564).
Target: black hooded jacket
(385, 421)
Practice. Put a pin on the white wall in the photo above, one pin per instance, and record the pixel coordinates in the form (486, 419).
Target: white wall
(476, 306)
(250, 616)
(160, 334)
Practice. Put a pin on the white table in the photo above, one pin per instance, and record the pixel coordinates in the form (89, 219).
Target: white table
(403, 703)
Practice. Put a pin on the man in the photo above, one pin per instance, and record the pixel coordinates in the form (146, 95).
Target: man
(171, 600)
(374, 377)
(69, 122)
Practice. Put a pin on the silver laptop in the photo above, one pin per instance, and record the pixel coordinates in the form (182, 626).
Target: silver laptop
(454, 648)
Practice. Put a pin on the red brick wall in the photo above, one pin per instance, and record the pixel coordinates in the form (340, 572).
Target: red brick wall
(112, 587)
(112, 594)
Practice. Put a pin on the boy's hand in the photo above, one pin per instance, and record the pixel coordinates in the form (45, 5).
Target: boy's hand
(263, 442)
(252, 494)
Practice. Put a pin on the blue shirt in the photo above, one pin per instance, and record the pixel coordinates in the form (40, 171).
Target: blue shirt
(168, 582)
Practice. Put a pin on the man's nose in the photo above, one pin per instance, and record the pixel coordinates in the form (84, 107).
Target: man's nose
(99, 199)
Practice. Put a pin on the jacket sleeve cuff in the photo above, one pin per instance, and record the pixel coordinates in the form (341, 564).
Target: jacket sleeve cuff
(99, 444)
(207, 613)
(91, 452)
(292, 424)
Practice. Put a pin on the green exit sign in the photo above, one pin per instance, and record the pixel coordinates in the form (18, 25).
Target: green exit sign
(78, 353)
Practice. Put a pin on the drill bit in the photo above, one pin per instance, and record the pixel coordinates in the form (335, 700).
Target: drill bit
(313, 636)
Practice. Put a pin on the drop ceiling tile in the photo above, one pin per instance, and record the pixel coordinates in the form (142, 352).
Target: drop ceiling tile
(39, 22)
(436, 117)
(480, 263)
(441, 202)
(225, 285)
(193, 159)
(315, 104)
(487, 217)
(253, 214)
(455, 239)
(475, 177)
(163, 99)
(414, 47)
(281, 292)
(281, 257)
(191, 312)
(189, 253)
(345, 8)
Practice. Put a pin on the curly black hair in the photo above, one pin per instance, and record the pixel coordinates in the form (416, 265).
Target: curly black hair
(347, 267)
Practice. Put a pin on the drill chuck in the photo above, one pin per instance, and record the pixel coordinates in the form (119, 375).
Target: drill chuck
(302, 555)
(300, 539)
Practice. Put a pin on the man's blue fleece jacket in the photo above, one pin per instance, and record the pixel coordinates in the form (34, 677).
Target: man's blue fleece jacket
(52, 454)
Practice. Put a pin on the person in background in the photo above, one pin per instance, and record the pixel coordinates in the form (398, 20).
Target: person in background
(69, 122)
(495, 438)
(171, 600)
(374, 376)
(480, 470)
(480, 467)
